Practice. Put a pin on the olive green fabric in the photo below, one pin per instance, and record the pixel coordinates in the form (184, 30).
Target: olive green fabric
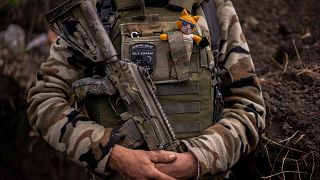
(188, 104)
(100, 110)
(126, 4)
(123, 5)
(67, 128)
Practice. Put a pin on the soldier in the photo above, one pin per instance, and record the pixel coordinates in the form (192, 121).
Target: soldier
(87, 131)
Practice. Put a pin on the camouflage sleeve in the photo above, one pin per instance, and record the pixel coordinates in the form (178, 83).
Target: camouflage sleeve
(52, 115)
(243, 118)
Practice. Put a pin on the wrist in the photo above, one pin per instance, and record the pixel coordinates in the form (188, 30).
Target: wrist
(194, 165)
(115, 150)
(115, 156)
(198, 175)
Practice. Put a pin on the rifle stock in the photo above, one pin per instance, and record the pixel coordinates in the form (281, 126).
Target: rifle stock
(77, 22)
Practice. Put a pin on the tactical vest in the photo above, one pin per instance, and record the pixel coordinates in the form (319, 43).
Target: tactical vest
(185, 89)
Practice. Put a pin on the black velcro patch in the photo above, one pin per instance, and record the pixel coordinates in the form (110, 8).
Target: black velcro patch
(144, 55)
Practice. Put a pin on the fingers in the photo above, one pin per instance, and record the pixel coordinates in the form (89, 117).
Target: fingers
(156, 174)
(162, 157)
(163, 168)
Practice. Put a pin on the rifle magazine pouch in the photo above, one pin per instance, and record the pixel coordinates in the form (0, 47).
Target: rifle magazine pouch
(166, 61)
(133, 138)
(180, 55)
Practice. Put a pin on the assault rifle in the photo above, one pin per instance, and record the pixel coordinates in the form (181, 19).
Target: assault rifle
(77, 22)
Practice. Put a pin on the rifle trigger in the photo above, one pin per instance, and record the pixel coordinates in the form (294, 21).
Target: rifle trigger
(117, 101)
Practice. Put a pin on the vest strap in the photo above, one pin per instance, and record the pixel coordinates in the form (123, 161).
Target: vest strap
(107, 15)
(194, 64)
(210, 13)
(203, 58)
(123, 5)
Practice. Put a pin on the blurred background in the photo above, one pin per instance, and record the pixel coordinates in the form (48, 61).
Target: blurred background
(284, 39)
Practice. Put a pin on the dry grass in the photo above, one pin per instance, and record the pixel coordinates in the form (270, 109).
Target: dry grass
(285, 156)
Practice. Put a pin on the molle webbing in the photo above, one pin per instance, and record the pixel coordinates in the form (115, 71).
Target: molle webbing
(181, 108)
(177, 89)
(189, 105)
(187, 126)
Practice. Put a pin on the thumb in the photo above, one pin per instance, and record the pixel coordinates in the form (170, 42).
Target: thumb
(162, 157)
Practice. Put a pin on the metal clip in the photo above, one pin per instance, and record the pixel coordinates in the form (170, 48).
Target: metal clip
(135, 34)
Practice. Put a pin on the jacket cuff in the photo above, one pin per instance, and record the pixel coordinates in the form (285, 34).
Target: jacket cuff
(207, 155)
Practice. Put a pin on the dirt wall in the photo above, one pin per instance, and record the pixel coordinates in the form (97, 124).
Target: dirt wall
(284, 40)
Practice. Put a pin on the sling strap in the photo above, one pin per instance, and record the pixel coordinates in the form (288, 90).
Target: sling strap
(106, 14)
(210, 12)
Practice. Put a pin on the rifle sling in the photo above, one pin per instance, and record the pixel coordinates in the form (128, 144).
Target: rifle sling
(106, 14)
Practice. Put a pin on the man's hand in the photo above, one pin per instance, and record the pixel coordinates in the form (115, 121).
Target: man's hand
(184, 167)
(139, 164)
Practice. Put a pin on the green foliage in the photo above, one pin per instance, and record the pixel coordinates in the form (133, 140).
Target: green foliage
(16, 2)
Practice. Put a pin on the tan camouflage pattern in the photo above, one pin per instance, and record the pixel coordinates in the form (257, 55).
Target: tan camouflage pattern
(51, 112)
(243, 119)
(53, 115)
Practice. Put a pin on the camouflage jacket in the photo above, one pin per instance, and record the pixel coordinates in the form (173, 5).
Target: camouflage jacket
(53, 115)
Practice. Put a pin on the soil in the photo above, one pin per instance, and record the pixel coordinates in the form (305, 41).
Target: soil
(284, 40)
(285, 46)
